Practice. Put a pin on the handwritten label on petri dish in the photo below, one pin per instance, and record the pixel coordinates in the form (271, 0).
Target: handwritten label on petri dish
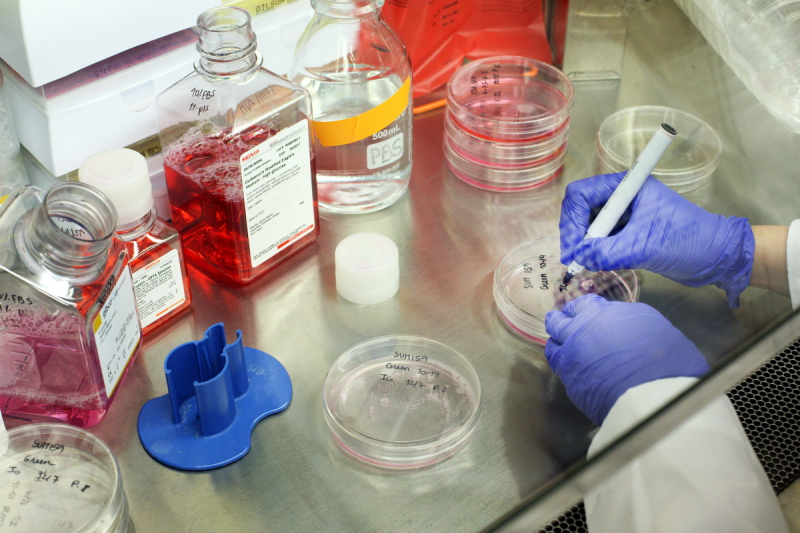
(413, 375)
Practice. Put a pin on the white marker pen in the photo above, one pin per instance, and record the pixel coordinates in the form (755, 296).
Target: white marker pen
(626, 190)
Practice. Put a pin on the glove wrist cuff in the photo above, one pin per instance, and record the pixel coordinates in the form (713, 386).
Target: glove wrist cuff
(741, 251)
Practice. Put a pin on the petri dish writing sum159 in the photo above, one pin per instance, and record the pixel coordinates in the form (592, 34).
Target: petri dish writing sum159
(528, 284)
(401, 401)
(56, 478)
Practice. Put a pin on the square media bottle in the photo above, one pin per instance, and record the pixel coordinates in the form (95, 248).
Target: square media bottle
(238, 156)
(154, 247)
(69, 329)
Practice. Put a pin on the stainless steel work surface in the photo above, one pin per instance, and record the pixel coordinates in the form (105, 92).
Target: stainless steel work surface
(451, 236)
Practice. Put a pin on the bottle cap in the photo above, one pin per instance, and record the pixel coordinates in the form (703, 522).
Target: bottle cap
(122, 175)
(367, 268)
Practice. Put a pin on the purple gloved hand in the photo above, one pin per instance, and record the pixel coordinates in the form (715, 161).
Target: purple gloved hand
(601, 349)
(666, 234)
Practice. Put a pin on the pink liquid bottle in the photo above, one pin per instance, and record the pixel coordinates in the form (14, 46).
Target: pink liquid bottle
(238, 156)
(154, 246)
(69, 330)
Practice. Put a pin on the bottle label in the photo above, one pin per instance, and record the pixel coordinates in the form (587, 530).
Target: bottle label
(385, 152)
(159, 287)
(278, 194)
(116, 329)
(353, 129)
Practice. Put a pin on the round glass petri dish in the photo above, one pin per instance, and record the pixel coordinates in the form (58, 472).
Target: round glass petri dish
(61, 478)
(401, 401)
(527, 285)
(510, 99)
(687, 164)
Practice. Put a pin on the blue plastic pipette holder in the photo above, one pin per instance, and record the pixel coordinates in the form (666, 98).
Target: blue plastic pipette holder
(217, 393)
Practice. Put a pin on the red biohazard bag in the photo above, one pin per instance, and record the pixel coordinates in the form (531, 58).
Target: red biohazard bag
(441, 34)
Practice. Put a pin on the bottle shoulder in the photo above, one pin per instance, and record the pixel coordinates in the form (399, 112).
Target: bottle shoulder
(198, 99)
(61, 291)
(161, 235)
(330, 51)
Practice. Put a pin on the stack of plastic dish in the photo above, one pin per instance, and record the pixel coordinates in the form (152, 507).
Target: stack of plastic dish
(687, 164)
(528, 284)
(507, 123)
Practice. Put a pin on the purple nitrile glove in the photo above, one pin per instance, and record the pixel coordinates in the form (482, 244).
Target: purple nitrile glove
(600, 349)
(666, 234)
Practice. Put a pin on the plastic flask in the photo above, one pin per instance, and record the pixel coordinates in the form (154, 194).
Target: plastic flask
(69, 330)
(359, 76)
(238, 156)
(154, 246)
(12, 169)
(760, 41)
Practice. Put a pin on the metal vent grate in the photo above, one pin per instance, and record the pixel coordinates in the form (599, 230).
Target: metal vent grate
(768, 404)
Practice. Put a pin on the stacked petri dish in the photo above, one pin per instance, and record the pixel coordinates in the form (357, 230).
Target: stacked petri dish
(527, 285)
(401, 401)
(59, 478)
(687, 164)
(507, 123)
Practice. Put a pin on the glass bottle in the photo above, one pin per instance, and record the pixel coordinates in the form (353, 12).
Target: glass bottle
(359, 76)
(154, 246)
(238, 156)
(69, 330)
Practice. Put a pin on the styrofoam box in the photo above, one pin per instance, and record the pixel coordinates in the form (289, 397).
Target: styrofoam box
(44, 40)
(61, 129)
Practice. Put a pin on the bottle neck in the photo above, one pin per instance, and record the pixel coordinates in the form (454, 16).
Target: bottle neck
(137, 228)
(69, 234)
(227, 44)
(346, 8)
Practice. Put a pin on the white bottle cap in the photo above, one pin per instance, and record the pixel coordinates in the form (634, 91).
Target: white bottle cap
(122, 175)
(367, 268)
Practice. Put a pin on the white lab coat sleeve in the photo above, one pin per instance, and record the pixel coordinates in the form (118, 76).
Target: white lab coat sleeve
(704, 476)
(793, 262)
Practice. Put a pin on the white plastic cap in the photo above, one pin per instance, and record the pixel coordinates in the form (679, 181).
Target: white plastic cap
(122, 175)
(367, 268)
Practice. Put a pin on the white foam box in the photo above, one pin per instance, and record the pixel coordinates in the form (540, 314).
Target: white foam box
(112, 104)
(44, 40)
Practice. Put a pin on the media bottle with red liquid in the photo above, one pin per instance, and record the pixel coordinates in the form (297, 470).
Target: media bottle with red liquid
(238, 156)
(154, 246)
(69, 329)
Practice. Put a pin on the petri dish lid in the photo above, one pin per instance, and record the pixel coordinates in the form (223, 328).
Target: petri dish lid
(691, 158)
(401, 401)
(510, 98)
(61, 478)
(527, 285)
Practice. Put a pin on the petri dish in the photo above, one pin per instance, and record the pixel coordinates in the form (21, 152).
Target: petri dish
(688, 163)
(59, 478)
(401, 401)
(510, 98)
(502, 154)
(527, 285)
(504, 178)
